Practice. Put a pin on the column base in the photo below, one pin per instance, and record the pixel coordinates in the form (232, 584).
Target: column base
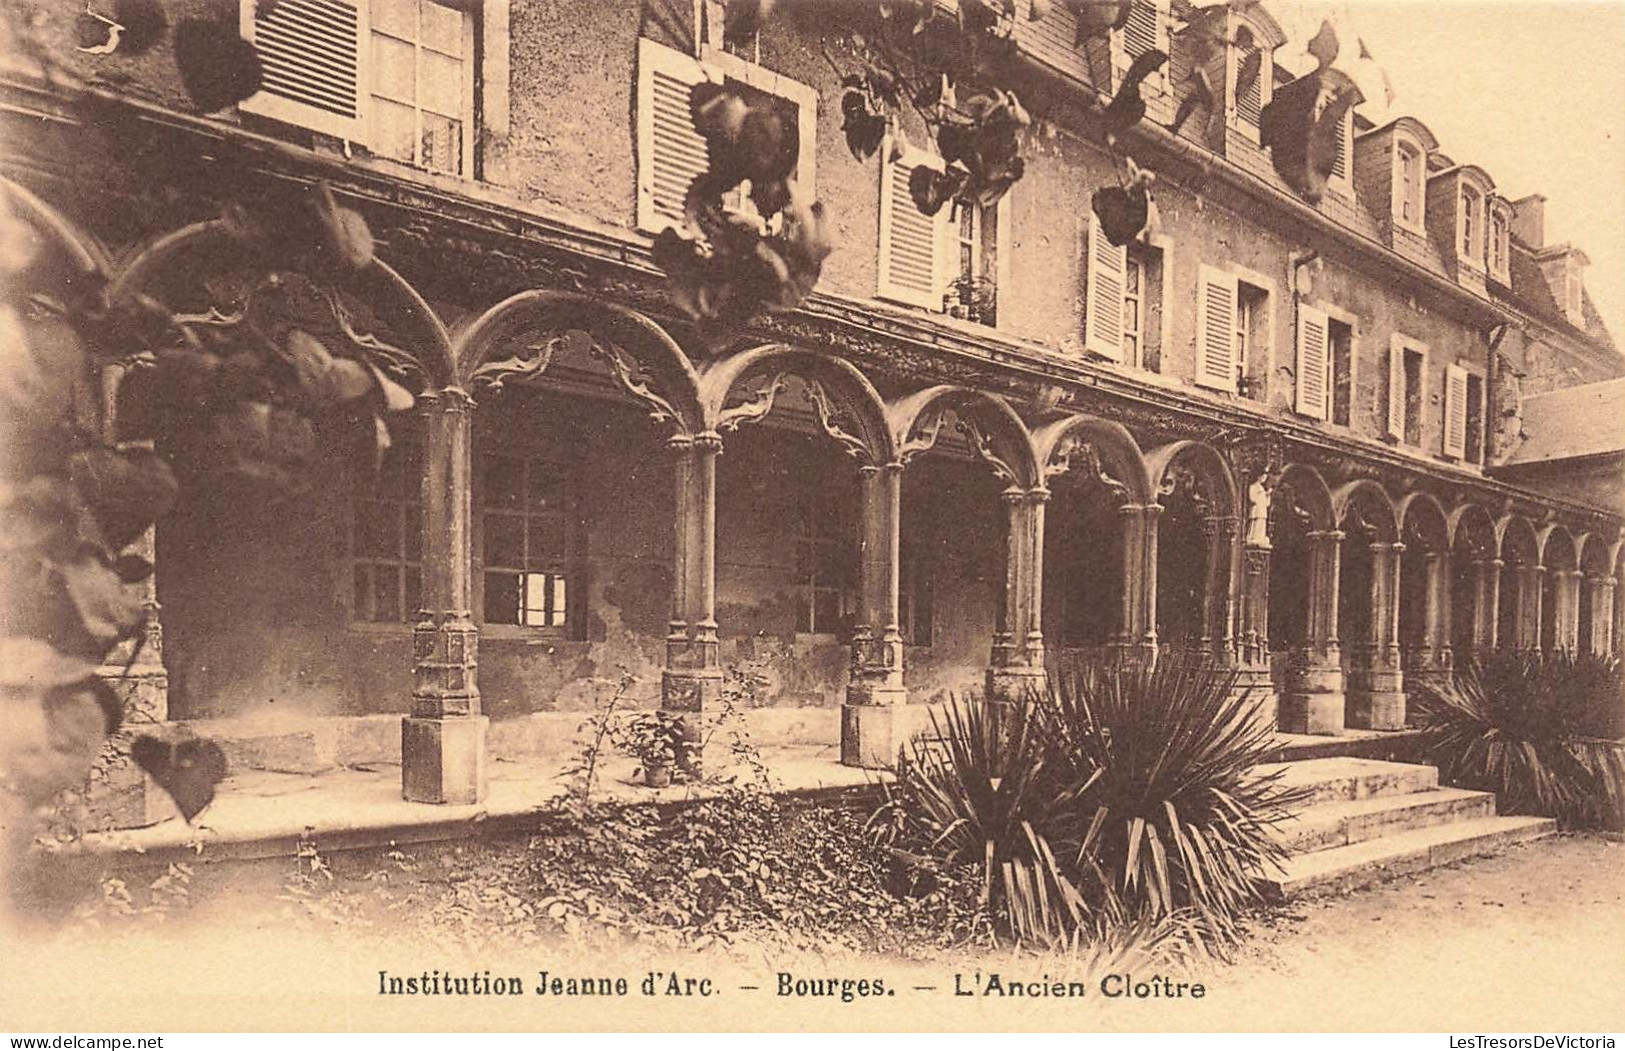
(1320, 714)
(1376, 699)
(869, 726)
(1257, 688)
(443, 760)
(1015, 683)
(1376, 709)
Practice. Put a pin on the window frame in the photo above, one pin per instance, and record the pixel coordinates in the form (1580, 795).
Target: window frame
(1403, 145)
(1247, 128)
(469, 105)
(410, 499)
(1472, 219)
(484, 86)
(1399, 346)
(569, 562)
(1499, 240)
(822, 513)
(1120, 60)
(1350, 321)
(716, 65)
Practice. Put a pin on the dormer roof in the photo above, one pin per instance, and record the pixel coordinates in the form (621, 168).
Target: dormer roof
(1412, 127)
(1469, 171)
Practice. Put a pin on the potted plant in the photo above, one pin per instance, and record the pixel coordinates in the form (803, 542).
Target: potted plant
(654, 740)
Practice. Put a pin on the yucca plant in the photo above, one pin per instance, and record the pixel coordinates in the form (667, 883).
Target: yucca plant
(1539, 732)
(1163, 763)
(977, 793)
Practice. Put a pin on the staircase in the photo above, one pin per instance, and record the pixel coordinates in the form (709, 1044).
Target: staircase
(1368, 820)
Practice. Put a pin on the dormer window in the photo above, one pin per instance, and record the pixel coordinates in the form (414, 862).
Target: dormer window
(1500, 228)
(1472, 226)
(1408, 164)
(1146, 29)
(1249, 84)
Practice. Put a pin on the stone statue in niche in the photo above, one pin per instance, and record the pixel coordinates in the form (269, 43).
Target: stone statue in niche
(1259, 495)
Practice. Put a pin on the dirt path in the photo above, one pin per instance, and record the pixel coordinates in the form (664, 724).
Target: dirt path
(1532, 939)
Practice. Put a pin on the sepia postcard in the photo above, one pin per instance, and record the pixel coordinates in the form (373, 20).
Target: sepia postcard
(528, 516)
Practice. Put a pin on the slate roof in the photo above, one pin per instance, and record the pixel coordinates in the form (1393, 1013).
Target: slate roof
(1587, 420)
(1531, 292)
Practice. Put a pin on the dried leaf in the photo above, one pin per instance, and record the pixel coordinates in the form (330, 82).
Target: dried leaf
(188, 770)
(218, 67)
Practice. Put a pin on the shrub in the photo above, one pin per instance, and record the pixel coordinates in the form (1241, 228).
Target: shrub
(1541, 733)
(1124, 798)
(1161, 762)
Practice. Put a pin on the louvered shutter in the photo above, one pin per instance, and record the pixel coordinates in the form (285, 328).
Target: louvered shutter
(1103, 314)
(670, 152)
(1396, 389)
(1146, 29)
(1250, 102)
(1455, 411)
(911, 243)
(1216, 330)
(1340, 159)
(313, 55)
(1314, 362)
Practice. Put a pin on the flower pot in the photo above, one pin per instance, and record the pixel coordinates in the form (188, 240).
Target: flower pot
(657, 775)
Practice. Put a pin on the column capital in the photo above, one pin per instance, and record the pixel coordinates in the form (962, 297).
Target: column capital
(446, 399)
(1326, 534)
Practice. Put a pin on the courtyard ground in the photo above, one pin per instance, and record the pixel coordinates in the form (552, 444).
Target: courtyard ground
(1532, 939)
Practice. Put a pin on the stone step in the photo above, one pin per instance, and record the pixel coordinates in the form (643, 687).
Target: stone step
(1401, 854)
(1338, 824)
(1343, 778)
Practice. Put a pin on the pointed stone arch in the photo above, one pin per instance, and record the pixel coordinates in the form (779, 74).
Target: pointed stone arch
(1310, 495)
(991, 426)
(849, 408)
(645, 359)
(1213, 467)
(413, 321)
(1471, 525)
(1367, 495)
(1110, 445)
(1422, 516)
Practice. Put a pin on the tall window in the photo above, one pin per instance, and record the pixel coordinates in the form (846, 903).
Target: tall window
(973, 292)
(915, 613)
(825, 566)
(1251, 352)
(1413, 396)
(1410, 184)
(1475, 419)
(528, 522)
(394, 76)
(386, 534)
(423, 83)
(1498, 242)
(1471, 201)
(1134, 285)
(1341, 336)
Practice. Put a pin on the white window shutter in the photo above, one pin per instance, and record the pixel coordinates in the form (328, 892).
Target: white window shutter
(314, 56)
(1396, 389)
(1216, 330)
(1455, 411)
(1103, 307)
(1314, 362)
(911, 243)
(670, 152)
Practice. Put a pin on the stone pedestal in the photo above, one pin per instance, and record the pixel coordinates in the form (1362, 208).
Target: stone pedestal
(443, 759)
(869, 735)
(1313, 703)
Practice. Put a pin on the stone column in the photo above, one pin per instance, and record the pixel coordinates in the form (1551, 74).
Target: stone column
(1531, 588)
(443, 740)
(1432, 651)
(1217, 602)
(1313, 702)
(1568, 609)
(875, 687)
(1376, 686)
(126, 797)
(691, 681)
(1486, 604)
(1602, 614)
(1250, 644)
(1138, 639)
(1016, 670)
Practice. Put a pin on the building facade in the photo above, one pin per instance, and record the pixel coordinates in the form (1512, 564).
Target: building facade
(1269, 430)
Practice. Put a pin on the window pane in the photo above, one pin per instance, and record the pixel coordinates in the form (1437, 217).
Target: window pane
(393, 72)
(361, 596)
(547, 542)
(394, 130)
(547, 489)
(502, 598)
(386, 593)
(377, 530)
(442, 144)
(442, 28)
(414, 593)
(399, 17)
(560, 606)
(826, 611)
(412, 541)
(1131, 315)
(1132, 277)
(535, 600)
(505, 541)
(503, 481)
(442, 87)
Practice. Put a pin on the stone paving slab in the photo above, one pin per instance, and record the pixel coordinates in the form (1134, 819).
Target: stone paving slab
(1345, 778)
(1327, 825)
(260, 814)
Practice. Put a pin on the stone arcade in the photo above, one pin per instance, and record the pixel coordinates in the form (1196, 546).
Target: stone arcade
(1274, 433)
